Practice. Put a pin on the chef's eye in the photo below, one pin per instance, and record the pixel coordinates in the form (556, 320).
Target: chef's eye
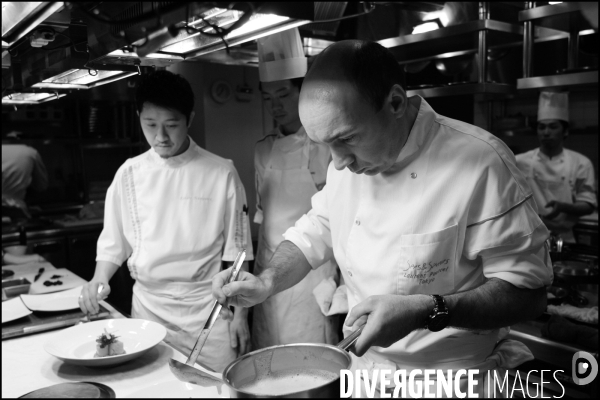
(348, 139)
(150, 125)
(172, 126)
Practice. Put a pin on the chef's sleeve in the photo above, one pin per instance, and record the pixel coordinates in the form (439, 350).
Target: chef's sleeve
(585, 184)
(258, 179)
(39, 174)
(112, 243)
(236, 225)
(311, 233)
(504, 230)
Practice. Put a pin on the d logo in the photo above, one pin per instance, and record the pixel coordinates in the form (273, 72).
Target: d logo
(585, 368)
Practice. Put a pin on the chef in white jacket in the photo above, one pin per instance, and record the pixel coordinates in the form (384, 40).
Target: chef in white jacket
(290, 169)
(433, 226)
(562, 180)
(175, 213)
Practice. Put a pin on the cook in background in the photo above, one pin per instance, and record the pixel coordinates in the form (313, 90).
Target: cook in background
(416, 205)
(290, 169)
(175, 213)
(22, 169)
(562, 180)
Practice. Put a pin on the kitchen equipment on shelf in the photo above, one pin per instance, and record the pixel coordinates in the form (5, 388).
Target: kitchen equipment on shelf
(81, 390)
(187, 372)
(77, 344)
(307, 359)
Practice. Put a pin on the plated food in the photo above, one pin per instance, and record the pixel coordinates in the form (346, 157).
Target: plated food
(77, 344)
(107, 344)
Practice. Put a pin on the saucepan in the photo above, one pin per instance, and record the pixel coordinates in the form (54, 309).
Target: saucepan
(291, 370)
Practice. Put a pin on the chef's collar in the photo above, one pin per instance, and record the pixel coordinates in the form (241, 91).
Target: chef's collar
(418, 132)
(176, 161)
(544, 157)
(299, 132)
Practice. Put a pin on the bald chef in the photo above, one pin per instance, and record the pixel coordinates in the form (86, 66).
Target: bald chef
(562, 180)
(175, 213)
(290, 169)
(433, 226)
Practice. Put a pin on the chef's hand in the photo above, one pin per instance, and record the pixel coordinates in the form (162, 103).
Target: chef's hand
(556, 209)
(246, 291)
(388, 319)
(89, 298)
(239, 333)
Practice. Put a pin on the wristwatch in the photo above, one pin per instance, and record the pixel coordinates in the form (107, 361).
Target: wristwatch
(439, 317)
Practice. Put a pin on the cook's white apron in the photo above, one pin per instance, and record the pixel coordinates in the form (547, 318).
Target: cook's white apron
(183, 308)
(545, 188)
(293, 315)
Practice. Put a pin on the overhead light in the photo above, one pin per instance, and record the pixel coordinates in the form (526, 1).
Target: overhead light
(20, 17)
(442, 15)
(82, 79)
(313, 46)
(554, 2)
(426, 27)
(30, 98)
(259, 25)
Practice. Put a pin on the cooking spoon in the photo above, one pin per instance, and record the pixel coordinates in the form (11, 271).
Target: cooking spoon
(187, 372)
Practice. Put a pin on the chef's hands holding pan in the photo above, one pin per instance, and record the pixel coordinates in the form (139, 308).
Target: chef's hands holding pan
(388, 319)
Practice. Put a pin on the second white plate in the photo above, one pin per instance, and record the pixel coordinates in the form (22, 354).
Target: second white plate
(58, 301)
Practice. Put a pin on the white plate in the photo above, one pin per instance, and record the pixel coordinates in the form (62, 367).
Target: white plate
(173, 389)
(77, 344)
(14, 309)
(58, 301)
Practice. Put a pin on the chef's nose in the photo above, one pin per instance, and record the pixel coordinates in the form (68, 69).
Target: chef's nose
(276, 104)
(340, 160)
(162, 135)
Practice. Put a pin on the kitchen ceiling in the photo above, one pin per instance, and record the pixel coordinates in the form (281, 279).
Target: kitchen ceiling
(68, 46)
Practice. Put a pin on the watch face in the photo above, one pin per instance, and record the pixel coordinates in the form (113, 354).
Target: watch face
(438, 322)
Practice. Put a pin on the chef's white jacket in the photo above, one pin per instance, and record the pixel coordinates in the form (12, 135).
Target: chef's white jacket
(455, 212)
(572, 167)
(175, 219)
(290, 156)
(22, 167)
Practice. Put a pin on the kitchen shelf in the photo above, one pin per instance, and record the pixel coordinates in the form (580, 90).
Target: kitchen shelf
(451, 39)
(492, 89)
(574, 79)
(564, 17)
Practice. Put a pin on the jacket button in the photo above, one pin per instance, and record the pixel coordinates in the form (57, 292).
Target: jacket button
(357, 222)
(350, 273)
(413, 175)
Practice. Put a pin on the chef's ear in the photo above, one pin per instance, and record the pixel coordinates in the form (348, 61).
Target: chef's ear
(397, 100)
(191, 118)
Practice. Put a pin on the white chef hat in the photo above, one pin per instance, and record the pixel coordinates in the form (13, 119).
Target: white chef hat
(281, 56)
(553, 105)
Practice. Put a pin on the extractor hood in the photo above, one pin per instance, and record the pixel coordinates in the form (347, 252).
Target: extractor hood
(94, 43)
(130, 33)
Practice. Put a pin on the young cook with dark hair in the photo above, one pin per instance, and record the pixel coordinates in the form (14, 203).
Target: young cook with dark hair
(175, 213)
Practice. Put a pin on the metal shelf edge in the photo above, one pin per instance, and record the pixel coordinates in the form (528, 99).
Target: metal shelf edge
(579, 78)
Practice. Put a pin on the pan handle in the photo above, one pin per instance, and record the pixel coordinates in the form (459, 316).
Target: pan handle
(349, 341)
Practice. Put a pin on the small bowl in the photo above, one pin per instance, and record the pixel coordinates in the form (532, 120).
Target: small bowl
(17, 250)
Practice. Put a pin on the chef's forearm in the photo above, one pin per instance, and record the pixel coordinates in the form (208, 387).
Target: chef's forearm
(494, 304)
(578, 209)
(105, 270)
(287, 267)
